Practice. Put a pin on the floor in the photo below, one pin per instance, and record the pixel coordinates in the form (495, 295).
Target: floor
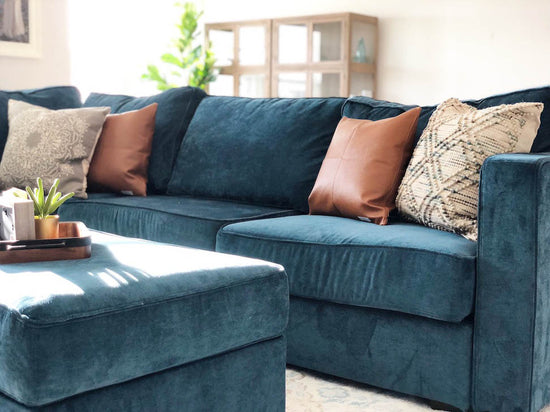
(307, 391)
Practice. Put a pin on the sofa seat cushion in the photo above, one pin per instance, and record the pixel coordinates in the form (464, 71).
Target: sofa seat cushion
(402, 267)
(180, 220)
(133, 309)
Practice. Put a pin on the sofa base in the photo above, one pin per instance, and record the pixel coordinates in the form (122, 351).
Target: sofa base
(418, 356)
(248, 379)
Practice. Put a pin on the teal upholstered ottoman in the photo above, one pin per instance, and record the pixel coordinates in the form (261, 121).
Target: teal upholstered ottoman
(143, 326)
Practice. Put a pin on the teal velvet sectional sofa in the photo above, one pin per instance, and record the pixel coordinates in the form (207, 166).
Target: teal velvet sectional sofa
(403, 306)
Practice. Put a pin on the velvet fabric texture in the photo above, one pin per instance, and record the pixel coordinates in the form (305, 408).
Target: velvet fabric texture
(404, 353)
(261, 151)
(175, 110)
(179, 220)
(366, 108)
(403, 267)
(512, 318)
(218, 383)
(63, 97)
(121, 156)
(363, 168)
(134, 308)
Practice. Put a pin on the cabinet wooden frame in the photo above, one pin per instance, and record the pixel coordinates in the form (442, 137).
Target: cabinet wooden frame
(272, 68)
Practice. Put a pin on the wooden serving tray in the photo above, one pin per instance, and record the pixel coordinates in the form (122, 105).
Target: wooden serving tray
(74, 242)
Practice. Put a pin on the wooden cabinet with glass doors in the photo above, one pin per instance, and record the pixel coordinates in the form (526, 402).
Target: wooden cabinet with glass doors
(312, 56)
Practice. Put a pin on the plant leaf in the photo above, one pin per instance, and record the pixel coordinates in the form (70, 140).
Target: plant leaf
(40, 194)
(34, 200)
(51, 194)
(58, 202)
(52, 208)
(171, 59)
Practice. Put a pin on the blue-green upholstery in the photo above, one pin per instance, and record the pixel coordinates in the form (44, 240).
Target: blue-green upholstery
(174, 112)
(217, 383)
(392, 350)
(511, 370)
(180, 220)
(366, 108)
(402, 307)
(260, 151)
(402, 267)
(134, 308)
(61, 97)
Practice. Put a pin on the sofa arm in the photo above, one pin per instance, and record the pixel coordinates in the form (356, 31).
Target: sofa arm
(511, 363)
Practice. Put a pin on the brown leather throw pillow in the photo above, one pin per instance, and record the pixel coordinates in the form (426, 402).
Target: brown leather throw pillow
(363, 168)
(121, 157)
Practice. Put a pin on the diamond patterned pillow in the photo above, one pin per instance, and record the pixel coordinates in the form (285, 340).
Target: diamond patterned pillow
(441, 184)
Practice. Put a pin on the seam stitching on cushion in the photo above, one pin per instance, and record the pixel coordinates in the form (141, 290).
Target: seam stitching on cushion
(84, 316)
(392, 308)
(290, 241)
(119, 381)
(541, 165)
(174, 159)
(340, 161)
(175, 214)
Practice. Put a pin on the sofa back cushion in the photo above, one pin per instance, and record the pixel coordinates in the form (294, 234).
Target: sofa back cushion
(174, 112)
(260, 151)
(62, 97)
(367, 108)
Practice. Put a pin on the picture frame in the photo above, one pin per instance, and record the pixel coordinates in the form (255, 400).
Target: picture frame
(20, 28)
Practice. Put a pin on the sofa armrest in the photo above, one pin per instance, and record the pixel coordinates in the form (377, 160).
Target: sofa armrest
(511, 364)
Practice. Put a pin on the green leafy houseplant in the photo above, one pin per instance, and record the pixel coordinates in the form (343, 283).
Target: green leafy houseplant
(195, 62)
(44, 206)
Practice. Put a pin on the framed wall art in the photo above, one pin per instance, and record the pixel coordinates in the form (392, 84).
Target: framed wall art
(20, 28)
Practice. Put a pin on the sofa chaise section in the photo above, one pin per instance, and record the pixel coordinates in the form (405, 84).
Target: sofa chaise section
(390, 306)
(143, 326)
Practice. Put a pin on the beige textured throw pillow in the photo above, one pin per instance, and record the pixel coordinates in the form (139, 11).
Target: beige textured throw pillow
(441, 183)
(50, 144)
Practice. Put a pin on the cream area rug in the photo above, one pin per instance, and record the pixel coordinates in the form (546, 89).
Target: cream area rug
(307, 391)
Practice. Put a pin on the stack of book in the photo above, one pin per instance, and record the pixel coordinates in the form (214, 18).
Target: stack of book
(17, 222)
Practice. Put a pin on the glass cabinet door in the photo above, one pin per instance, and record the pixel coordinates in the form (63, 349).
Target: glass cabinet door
(327, 42)
(292, 43)
(325, 84)
(362, 84)
(252, 85)
(292, 84)
(252, 49)
(222, 42)
(222, 86)
(363, 40)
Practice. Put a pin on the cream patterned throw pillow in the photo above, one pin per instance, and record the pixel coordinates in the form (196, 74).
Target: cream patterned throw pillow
(50, 144)
(441, 184)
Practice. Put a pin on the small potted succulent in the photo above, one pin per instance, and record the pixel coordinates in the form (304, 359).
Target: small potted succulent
(46, 225)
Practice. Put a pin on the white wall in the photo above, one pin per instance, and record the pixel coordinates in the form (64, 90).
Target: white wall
(53, 67)
(430, 50)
